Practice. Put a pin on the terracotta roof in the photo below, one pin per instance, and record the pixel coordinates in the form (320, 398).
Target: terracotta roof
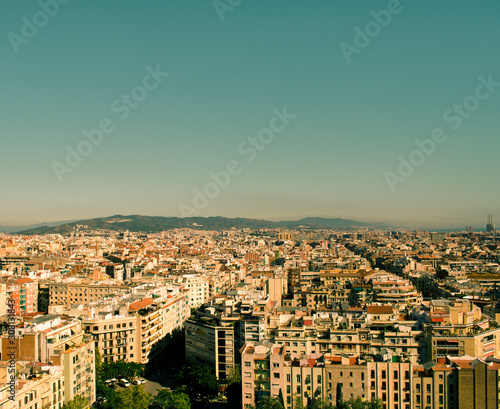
(379, 309)
(23, 280)
(140, 304)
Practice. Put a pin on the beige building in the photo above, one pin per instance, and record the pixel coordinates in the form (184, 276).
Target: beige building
(262, 372)
(116, 337)
(57, 341)
(67, 294)
(38, 386)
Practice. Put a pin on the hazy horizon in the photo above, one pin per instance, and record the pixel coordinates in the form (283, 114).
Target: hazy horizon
(382, 111)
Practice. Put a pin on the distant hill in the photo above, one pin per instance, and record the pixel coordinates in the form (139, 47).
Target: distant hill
(137, 223)
(12, 229)
(325, 222)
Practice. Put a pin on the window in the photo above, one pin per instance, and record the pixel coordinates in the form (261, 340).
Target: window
(384, 374)
(319, 378)
(247, 364)
(288, 378)
(276, 375)
(248, 374)
(298, 378)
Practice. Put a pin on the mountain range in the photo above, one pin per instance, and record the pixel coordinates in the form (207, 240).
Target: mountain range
(137, 223)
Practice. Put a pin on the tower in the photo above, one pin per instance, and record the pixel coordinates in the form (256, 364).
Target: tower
(490, 227)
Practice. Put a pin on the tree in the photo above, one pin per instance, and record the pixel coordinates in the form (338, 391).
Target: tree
(78, 402)
(233, 389)
(299, 402)
(322, 404)
(340, 398)
(198, 380)
(133, 397)
(166, 399)
(374, 403)
(268, 402)
(357, 403)
(234, 375)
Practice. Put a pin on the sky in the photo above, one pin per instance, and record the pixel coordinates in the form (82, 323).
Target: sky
(273, 109)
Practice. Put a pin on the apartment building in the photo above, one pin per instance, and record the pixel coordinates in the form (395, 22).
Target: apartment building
(395, 291)
(159, 318)
(458, 328)
(3, 299)
(199, 288)
(262, 372)
(79, 292)
(391, 382)
(456, 383)
(28, 295)
(211, 343)
(116, 337)
(39, 385)
(57, 341)
(79, 370)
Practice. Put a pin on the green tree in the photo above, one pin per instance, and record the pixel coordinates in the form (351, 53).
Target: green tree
(133, 397)
(233, 389)
(374, 403)
(198, 380)
(322, 404)
(299, 402)
(340, 398)
(280, 397)
(357, 403)
(267, 402)
(78, 402)
(166, 399)
(234, 375)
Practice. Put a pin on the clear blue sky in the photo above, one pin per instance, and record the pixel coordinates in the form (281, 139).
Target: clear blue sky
(353, 120)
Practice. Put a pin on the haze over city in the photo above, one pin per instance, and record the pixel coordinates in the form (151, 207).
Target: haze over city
(315, 108)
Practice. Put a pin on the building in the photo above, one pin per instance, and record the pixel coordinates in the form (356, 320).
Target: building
(58, 341)
(70, 293)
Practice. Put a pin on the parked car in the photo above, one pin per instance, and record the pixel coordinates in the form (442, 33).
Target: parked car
(110, 382)
(138, 381)
(124, 383)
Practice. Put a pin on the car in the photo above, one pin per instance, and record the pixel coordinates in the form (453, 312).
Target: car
(138, 381)
(124, 383)
(110, 382)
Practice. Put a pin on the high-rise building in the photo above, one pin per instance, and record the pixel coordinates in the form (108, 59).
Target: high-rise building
(490, 227)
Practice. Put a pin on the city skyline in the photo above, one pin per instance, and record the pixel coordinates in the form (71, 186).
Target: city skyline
(375, 111)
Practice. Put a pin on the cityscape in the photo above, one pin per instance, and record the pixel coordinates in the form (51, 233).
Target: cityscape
(249, 204)
(405, 318)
